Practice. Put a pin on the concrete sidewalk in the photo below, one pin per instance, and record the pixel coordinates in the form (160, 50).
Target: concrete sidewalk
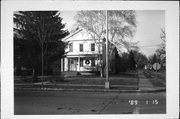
(145, 84)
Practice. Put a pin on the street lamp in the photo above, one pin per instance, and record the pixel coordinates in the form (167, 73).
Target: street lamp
(107, 85)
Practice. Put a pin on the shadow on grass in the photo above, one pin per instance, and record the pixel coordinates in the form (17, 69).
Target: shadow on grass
(123, 80)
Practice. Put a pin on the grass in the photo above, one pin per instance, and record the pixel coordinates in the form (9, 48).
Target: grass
(157, 83)
(80, 87)
(100, 81)
(119, 79)
(115, 79)
(161, 75)
(28, 79)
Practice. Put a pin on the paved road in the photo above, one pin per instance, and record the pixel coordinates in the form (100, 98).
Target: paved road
(60, 102)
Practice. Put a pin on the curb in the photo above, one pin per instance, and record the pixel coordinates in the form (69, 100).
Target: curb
(93, 90)
(87, 85)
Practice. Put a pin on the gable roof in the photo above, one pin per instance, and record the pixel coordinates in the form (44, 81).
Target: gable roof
(79, 34)
(72, 34)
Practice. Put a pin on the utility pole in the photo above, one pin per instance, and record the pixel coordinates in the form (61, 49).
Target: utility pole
(107, 85)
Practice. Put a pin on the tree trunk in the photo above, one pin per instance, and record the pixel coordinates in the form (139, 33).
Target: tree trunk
(103, 67)
(34, 75)
(18, 71)
(61, 76)
(104, 70)
(101, 71)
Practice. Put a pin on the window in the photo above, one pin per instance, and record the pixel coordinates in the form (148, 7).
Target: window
(92, 47)
(72, 61)
(81, 62)
(71, 47)
(81, 47)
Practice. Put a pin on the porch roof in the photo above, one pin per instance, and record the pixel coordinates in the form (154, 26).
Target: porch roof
(83, 55)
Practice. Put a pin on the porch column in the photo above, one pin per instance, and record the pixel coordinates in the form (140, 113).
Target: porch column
(62, 64)
(78, 63)
(65, 64)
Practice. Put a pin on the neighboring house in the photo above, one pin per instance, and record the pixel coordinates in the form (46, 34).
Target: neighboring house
(82, 52)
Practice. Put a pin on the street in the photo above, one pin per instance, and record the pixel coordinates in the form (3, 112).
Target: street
(75, 102)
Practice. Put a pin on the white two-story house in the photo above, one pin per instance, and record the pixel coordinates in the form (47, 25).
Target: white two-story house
(82, 52)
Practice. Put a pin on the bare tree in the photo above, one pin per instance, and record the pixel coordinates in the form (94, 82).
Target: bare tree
(121, 26)
(161, 51)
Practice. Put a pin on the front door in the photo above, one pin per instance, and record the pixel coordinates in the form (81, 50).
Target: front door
(73, 64)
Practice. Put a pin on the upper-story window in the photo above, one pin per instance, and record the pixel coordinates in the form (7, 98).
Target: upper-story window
(80, 47)
(71, 47)
(92, 47)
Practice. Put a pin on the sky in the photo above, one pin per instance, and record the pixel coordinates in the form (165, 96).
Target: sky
(149, 24)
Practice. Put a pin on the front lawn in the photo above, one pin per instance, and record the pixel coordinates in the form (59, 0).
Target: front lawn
(115, 79)
(120, 79)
